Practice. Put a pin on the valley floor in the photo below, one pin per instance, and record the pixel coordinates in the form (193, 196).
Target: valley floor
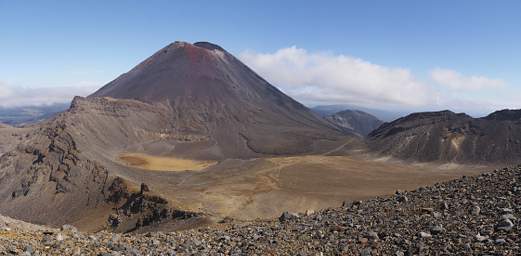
(265, 187)
(468, 216)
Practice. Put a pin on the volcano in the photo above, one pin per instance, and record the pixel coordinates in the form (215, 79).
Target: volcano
(220, 106)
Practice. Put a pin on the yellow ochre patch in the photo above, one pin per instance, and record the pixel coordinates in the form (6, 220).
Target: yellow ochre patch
(162, 163)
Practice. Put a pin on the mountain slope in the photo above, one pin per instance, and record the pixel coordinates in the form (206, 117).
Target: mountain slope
(65, 169)
(355, 120)
(218, 101)
(46, 179)
(447, 136)
(187, 102)
(10, 136)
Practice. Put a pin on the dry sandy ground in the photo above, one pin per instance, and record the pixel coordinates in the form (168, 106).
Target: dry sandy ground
(160, 163)
(263, 188)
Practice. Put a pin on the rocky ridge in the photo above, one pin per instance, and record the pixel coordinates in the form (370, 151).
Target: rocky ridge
(472, 215)
(445, 136)
(54, 176)
(42, 169)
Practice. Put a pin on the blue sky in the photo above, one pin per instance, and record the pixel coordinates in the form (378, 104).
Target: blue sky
(441, 45)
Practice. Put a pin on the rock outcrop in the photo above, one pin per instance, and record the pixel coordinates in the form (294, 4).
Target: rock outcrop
(63, 171)
(46, 179)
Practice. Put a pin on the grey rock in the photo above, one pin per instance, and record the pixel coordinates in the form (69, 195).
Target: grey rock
(366, 252)
(29, 249)
(505, 224)
(500, 241)
(425, 235)
(60, 237)
(481, 238)
(476, 210)
(287, 216)
(403, 199)
(427, 210)
(399, 253)
(437, 229)
(508, 216)
(507, 210)
(372, 235)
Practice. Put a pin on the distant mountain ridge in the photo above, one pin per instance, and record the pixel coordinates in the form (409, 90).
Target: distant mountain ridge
(454, 137)
(355, 120)
(30, 114)
(381, 114)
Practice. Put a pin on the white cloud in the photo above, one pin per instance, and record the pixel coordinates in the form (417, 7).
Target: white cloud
(4, 90)
(456, 81)
(11, 96)
(325, 78)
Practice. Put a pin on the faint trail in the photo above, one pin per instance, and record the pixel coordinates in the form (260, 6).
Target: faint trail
(337, 148)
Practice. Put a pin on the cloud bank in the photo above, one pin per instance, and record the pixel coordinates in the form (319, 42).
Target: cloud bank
(325, 78)
(457, 81)
(14, 96)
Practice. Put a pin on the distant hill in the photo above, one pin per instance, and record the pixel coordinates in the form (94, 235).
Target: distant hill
(448, 136)
(383, 115)
(355, 120)
(29, 114)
